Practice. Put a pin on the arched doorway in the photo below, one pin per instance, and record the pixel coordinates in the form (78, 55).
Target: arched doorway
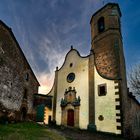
(70, 117)
(23, 114)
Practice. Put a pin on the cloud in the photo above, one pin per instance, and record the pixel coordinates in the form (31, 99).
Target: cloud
(46, 29)
(68, 26)
(53, 3)
(38, 47)
(46, 81)
(53, 56)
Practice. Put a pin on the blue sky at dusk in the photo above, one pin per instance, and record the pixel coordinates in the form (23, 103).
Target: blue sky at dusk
(45, 30)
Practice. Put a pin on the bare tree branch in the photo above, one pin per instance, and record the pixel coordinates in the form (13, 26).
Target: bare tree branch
(134, 79)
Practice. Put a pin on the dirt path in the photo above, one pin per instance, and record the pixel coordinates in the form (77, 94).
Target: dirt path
(74, 134)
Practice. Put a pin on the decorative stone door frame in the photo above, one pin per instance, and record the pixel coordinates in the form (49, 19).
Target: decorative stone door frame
(70, 102)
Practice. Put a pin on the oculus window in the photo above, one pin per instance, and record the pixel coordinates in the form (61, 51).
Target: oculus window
(101, 118)
(70, 77)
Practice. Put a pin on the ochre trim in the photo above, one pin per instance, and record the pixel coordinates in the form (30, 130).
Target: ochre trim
(118, 114)
(116, 87)
(119, 127)
(116, 93)
(118, 107)
(117, 100)
(118, 120)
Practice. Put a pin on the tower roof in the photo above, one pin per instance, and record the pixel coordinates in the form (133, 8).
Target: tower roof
(108, 4)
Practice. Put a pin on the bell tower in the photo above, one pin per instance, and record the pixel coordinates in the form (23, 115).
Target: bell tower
(106, 40)
(107, 58)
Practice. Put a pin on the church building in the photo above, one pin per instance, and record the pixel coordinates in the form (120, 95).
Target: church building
(90, 92)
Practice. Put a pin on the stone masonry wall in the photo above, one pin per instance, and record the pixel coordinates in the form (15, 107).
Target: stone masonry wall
(14, 70)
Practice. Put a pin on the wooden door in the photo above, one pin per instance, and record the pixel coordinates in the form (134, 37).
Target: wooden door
(70, 118)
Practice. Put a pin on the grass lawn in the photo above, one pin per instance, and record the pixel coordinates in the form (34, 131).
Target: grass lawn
(33, 131)
(28, 131)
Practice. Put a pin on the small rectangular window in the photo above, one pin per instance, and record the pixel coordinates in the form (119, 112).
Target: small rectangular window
(27, 77)
(102, 90)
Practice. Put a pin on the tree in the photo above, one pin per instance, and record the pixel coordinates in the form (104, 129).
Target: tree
(134, 79)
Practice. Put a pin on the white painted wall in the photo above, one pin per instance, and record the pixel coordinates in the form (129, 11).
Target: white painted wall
(80, 68)
(105, 105)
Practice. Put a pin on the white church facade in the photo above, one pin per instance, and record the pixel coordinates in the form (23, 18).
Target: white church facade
(90, 92)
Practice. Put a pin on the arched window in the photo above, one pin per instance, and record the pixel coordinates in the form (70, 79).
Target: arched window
(101, 24)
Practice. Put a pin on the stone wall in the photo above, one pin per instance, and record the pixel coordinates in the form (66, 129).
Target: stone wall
(17, 78)
(133, 118)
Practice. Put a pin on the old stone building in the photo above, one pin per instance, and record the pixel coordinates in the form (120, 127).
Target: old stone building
(133, 117)
(90, 92)
(17, 80)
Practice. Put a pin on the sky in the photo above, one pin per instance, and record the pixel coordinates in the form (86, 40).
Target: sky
(45, 30)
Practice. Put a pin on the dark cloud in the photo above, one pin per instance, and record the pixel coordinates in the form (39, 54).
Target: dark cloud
(46, 29)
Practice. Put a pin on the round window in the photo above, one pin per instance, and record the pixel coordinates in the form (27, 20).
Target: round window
(70, 77)
(101, 118)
